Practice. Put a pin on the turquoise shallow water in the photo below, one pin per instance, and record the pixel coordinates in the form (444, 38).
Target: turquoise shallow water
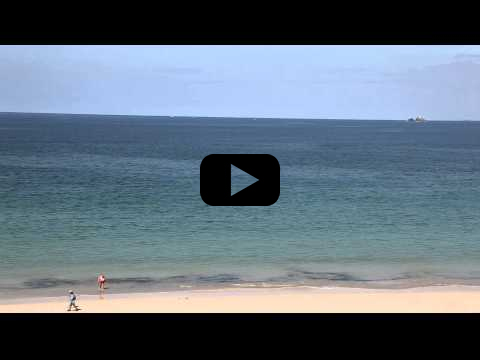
(363, 203)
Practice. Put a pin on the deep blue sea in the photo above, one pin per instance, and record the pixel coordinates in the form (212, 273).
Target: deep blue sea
(363, 204)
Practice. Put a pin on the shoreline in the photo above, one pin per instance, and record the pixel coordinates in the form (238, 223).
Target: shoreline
(87, 288)
(440, 298)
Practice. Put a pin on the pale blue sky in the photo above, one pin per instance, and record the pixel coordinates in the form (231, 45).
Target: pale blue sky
(363, 82)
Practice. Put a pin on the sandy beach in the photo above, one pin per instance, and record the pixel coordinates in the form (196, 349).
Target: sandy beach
(299, 299)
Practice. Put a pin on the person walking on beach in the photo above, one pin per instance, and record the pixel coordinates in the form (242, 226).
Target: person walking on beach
(101, 282)
(73, 298)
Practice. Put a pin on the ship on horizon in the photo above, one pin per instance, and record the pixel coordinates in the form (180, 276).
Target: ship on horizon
(418, 119)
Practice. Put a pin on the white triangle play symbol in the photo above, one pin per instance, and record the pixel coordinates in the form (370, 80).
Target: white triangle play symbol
(240, 180)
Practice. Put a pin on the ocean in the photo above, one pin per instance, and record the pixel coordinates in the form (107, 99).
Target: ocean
(382, 204)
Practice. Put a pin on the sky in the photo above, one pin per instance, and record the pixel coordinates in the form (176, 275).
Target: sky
(335, 82)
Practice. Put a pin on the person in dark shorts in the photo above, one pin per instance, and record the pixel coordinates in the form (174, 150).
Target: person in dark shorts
(73, 299)
(101, 282)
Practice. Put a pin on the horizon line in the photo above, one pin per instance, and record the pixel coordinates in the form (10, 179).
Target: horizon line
(219, 117)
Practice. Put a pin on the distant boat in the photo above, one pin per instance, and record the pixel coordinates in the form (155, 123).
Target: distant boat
(418, 119)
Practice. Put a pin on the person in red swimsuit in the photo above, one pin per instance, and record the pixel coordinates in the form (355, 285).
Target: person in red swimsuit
(101, 282)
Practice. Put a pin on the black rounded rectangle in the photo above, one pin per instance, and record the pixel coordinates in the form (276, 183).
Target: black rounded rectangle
(216, 186)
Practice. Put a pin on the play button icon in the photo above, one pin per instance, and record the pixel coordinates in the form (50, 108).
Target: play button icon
(240, 180)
